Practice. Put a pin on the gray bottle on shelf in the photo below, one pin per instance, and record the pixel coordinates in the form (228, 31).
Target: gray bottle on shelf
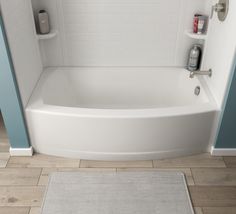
(194, 58)
(43, 19)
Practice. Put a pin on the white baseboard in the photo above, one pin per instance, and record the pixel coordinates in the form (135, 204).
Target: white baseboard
(223, 152)
(21, 151)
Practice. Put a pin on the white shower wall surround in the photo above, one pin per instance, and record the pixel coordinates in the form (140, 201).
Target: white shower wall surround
(119, 32)
(24, 48)
(126, 97)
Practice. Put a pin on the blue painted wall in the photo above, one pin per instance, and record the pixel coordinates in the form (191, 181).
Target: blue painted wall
(227, 132)
(10, 103)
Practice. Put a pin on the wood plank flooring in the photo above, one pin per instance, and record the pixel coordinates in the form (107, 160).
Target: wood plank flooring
(211, 180)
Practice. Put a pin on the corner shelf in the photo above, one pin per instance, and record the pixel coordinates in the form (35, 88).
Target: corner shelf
(50, 35)
(196, 36)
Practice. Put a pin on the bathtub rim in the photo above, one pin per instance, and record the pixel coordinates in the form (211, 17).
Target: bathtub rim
(36, 104)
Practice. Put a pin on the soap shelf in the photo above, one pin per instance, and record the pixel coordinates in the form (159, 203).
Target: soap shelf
(50, 35)
(196, 36)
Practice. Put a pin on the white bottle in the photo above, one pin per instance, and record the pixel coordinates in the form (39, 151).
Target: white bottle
(44, 27)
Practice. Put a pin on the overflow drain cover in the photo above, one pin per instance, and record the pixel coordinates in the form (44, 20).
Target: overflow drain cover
(197, 90)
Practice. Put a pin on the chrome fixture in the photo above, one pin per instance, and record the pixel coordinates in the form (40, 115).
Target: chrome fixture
(221, 8)
(197, 90)
(208, 73)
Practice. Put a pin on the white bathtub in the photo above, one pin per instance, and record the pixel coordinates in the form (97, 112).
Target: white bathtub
(119, 113)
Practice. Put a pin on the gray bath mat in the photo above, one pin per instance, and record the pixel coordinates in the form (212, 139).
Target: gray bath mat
(117, 193)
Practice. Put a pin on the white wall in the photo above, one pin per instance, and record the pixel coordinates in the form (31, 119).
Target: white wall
(119, 32)
(51, 50)
(19, 26)
(220, 51)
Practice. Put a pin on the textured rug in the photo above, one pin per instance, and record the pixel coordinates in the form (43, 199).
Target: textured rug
(117, 193)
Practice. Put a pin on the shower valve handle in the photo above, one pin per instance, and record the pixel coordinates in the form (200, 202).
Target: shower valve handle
(221, 8)
(217, 8)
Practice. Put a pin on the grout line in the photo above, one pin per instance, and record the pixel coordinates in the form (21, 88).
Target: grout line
(223, 158)
(7, 162)
(80, 163)
(29, 210)
(194, 183)
(20, 185)
(153, 164)
(201, 210)
(39, 176)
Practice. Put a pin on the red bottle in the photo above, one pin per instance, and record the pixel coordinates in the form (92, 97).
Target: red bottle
(195, 23)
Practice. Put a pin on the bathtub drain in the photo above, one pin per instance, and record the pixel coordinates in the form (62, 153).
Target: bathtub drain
(197, 90)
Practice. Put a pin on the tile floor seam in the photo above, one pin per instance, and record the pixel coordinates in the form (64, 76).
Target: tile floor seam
(8, 162)
(225, 162)
(223, 159)
(40, 174)
(29, 210)
(221, 206)
(201, 210)
(194, 183)
(214, 187)
(20, 185)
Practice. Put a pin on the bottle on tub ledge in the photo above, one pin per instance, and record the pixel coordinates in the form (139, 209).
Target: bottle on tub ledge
(43, 20)
(194, 59)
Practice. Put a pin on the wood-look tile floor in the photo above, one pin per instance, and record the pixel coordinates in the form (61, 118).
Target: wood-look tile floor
(4, 142)
(211, 180)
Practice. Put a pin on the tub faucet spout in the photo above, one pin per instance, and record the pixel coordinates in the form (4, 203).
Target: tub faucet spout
(208, 73)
